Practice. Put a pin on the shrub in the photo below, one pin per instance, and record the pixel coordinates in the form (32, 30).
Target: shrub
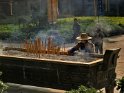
(83, 89)
(3, 86)
(120, 84)
(5, 35)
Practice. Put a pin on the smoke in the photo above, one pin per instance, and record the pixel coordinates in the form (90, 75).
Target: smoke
(100, 23)
(57, 38)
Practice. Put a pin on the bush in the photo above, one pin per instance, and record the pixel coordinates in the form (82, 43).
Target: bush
(5, 35)
(8, 27)
(83, 89)
(110, 26)
(3, 86)
(120, 84)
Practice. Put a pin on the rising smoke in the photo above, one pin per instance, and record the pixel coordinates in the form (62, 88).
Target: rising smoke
(57, 38)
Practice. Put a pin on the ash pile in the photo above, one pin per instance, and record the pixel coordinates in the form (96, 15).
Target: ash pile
(44, 50)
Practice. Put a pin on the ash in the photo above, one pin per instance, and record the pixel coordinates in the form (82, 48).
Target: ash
(76, 58)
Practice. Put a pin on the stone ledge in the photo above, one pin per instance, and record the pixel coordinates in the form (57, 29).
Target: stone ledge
(18, 88)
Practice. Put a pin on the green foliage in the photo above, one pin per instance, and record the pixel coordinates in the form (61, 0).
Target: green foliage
(3, 86)
(8, 27)
(5, 35)
(83, 89)
(120, 84)
(67, 23)
(88, 24)
(63, 25)
(14, 19)
(91, 20)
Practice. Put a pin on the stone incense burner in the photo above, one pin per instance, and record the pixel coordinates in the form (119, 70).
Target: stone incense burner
(61, 74)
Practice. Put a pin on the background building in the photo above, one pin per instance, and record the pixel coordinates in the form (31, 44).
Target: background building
(61, 8)
(91, 7)
(6, 7)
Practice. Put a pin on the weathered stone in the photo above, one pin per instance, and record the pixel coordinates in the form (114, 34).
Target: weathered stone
(61, 74)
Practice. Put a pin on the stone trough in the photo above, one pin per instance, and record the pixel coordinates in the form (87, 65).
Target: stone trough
(60, 74)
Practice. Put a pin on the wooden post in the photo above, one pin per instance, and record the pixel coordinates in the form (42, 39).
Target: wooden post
(10, 4)
(95, 8)
(52, 10)
(107, 6)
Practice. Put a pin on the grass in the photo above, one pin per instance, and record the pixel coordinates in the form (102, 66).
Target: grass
(65, 24)
(88, 23)
(113, 20)
(8, 28)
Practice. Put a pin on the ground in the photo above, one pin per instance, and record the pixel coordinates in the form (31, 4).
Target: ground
(117, 42)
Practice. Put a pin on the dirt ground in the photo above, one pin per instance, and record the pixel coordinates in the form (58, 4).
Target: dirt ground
(117, 42)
